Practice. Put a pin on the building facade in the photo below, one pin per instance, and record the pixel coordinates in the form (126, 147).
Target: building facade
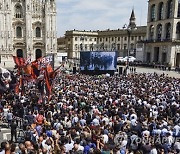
(106, 40)
(118, 40)
(77, 41)
(27, 29)
(163, 32)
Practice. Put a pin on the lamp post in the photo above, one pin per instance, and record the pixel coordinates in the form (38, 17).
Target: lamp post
(129, 30)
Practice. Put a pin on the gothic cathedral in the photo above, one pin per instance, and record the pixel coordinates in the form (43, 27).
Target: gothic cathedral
(27, 29)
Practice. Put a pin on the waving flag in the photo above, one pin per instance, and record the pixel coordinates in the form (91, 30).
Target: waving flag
(19, 61)
(48, 87)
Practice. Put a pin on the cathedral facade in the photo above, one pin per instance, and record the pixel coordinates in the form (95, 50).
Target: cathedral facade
(27, 29)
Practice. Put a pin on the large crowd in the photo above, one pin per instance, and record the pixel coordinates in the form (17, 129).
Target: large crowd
(131, 114)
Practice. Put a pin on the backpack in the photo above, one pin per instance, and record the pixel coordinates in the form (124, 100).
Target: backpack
(40, 119)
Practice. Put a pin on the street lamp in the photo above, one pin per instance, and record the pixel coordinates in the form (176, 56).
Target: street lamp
(129, 29)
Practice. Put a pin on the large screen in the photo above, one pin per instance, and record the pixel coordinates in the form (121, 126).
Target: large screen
(98, 60)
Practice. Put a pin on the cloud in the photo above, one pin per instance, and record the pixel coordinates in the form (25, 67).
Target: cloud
(98, 14)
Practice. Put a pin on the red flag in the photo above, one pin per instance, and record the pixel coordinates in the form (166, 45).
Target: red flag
(19, 86)
(19, 61)
(49, 69)
(47, 83)
(28, 69)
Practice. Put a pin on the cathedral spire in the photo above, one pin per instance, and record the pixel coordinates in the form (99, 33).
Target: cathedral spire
(132, 20)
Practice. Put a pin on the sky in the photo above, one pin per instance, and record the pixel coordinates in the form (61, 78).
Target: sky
(98, 14)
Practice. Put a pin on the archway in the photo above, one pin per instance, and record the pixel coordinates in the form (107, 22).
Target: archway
(38, 53)
(19, 53)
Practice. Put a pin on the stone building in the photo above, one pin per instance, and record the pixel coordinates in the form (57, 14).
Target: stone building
(105, 40)
(77, 41)
(27, 29)
(61, 44)
(163, 32)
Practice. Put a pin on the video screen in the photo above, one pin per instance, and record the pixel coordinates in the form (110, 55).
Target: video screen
(98, 60)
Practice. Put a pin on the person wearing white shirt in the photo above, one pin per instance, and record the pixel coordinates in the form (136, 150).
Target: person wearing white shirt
(75, 120)
(77, 146)
(105, 138)
(153, 151)
(106, 120)
(95, 122)
(133, 116)
(176, 130)
(69, 146)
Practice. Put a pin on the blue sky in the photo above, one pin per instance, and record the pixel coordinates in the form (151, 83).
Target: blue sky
(98, 14)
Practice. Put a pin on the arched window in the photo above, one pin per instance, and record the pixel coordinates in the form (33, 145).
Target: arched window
(38, 53)
(178, 31)
(169, 9)
(151, 32)
(19, 53)
(38, 32)
(125, 46)
(159, 32)
(18, 32)
(161, 11)
(153, 13)
(178, 15)
(168, 31)
(18, 11)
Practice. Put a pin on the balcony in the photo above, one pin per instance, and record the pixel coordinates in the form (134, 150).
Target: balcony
(157, 40)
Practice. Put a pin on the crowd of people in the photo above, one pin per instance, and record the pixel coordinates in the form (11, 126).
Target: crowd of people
(130, 114)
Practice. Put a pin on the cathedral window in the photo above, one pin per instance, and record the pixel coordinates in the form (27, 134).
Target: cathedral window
(170, 9)
(18, 11)
(178, 8)
(168, 31)
(161, 10)
(18, 32)
(153, 13)
(178, 31)
(159, 31)
(38, 32)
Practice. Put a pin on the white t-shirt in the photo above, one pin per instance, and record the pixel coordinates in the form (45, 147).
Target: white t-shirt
(106, 120)
(5, 111)
(146, 133)
(95, 122)
(133, 116)
(176, 129)
(2, 152)
(105, 138)
(153, 151)
(80, 148)
(69, 146)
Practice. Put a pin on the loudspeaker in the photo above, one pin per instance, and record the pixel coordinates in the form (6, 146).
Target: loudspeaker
(74, 70)
(120, 70)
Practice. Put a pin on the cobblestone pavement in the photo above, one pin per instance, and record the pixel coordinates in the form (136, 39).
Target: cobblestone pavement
(5, 133)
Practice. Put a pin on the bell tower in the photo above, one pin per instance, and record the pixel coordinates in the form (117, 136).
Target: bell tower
(132, 20)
